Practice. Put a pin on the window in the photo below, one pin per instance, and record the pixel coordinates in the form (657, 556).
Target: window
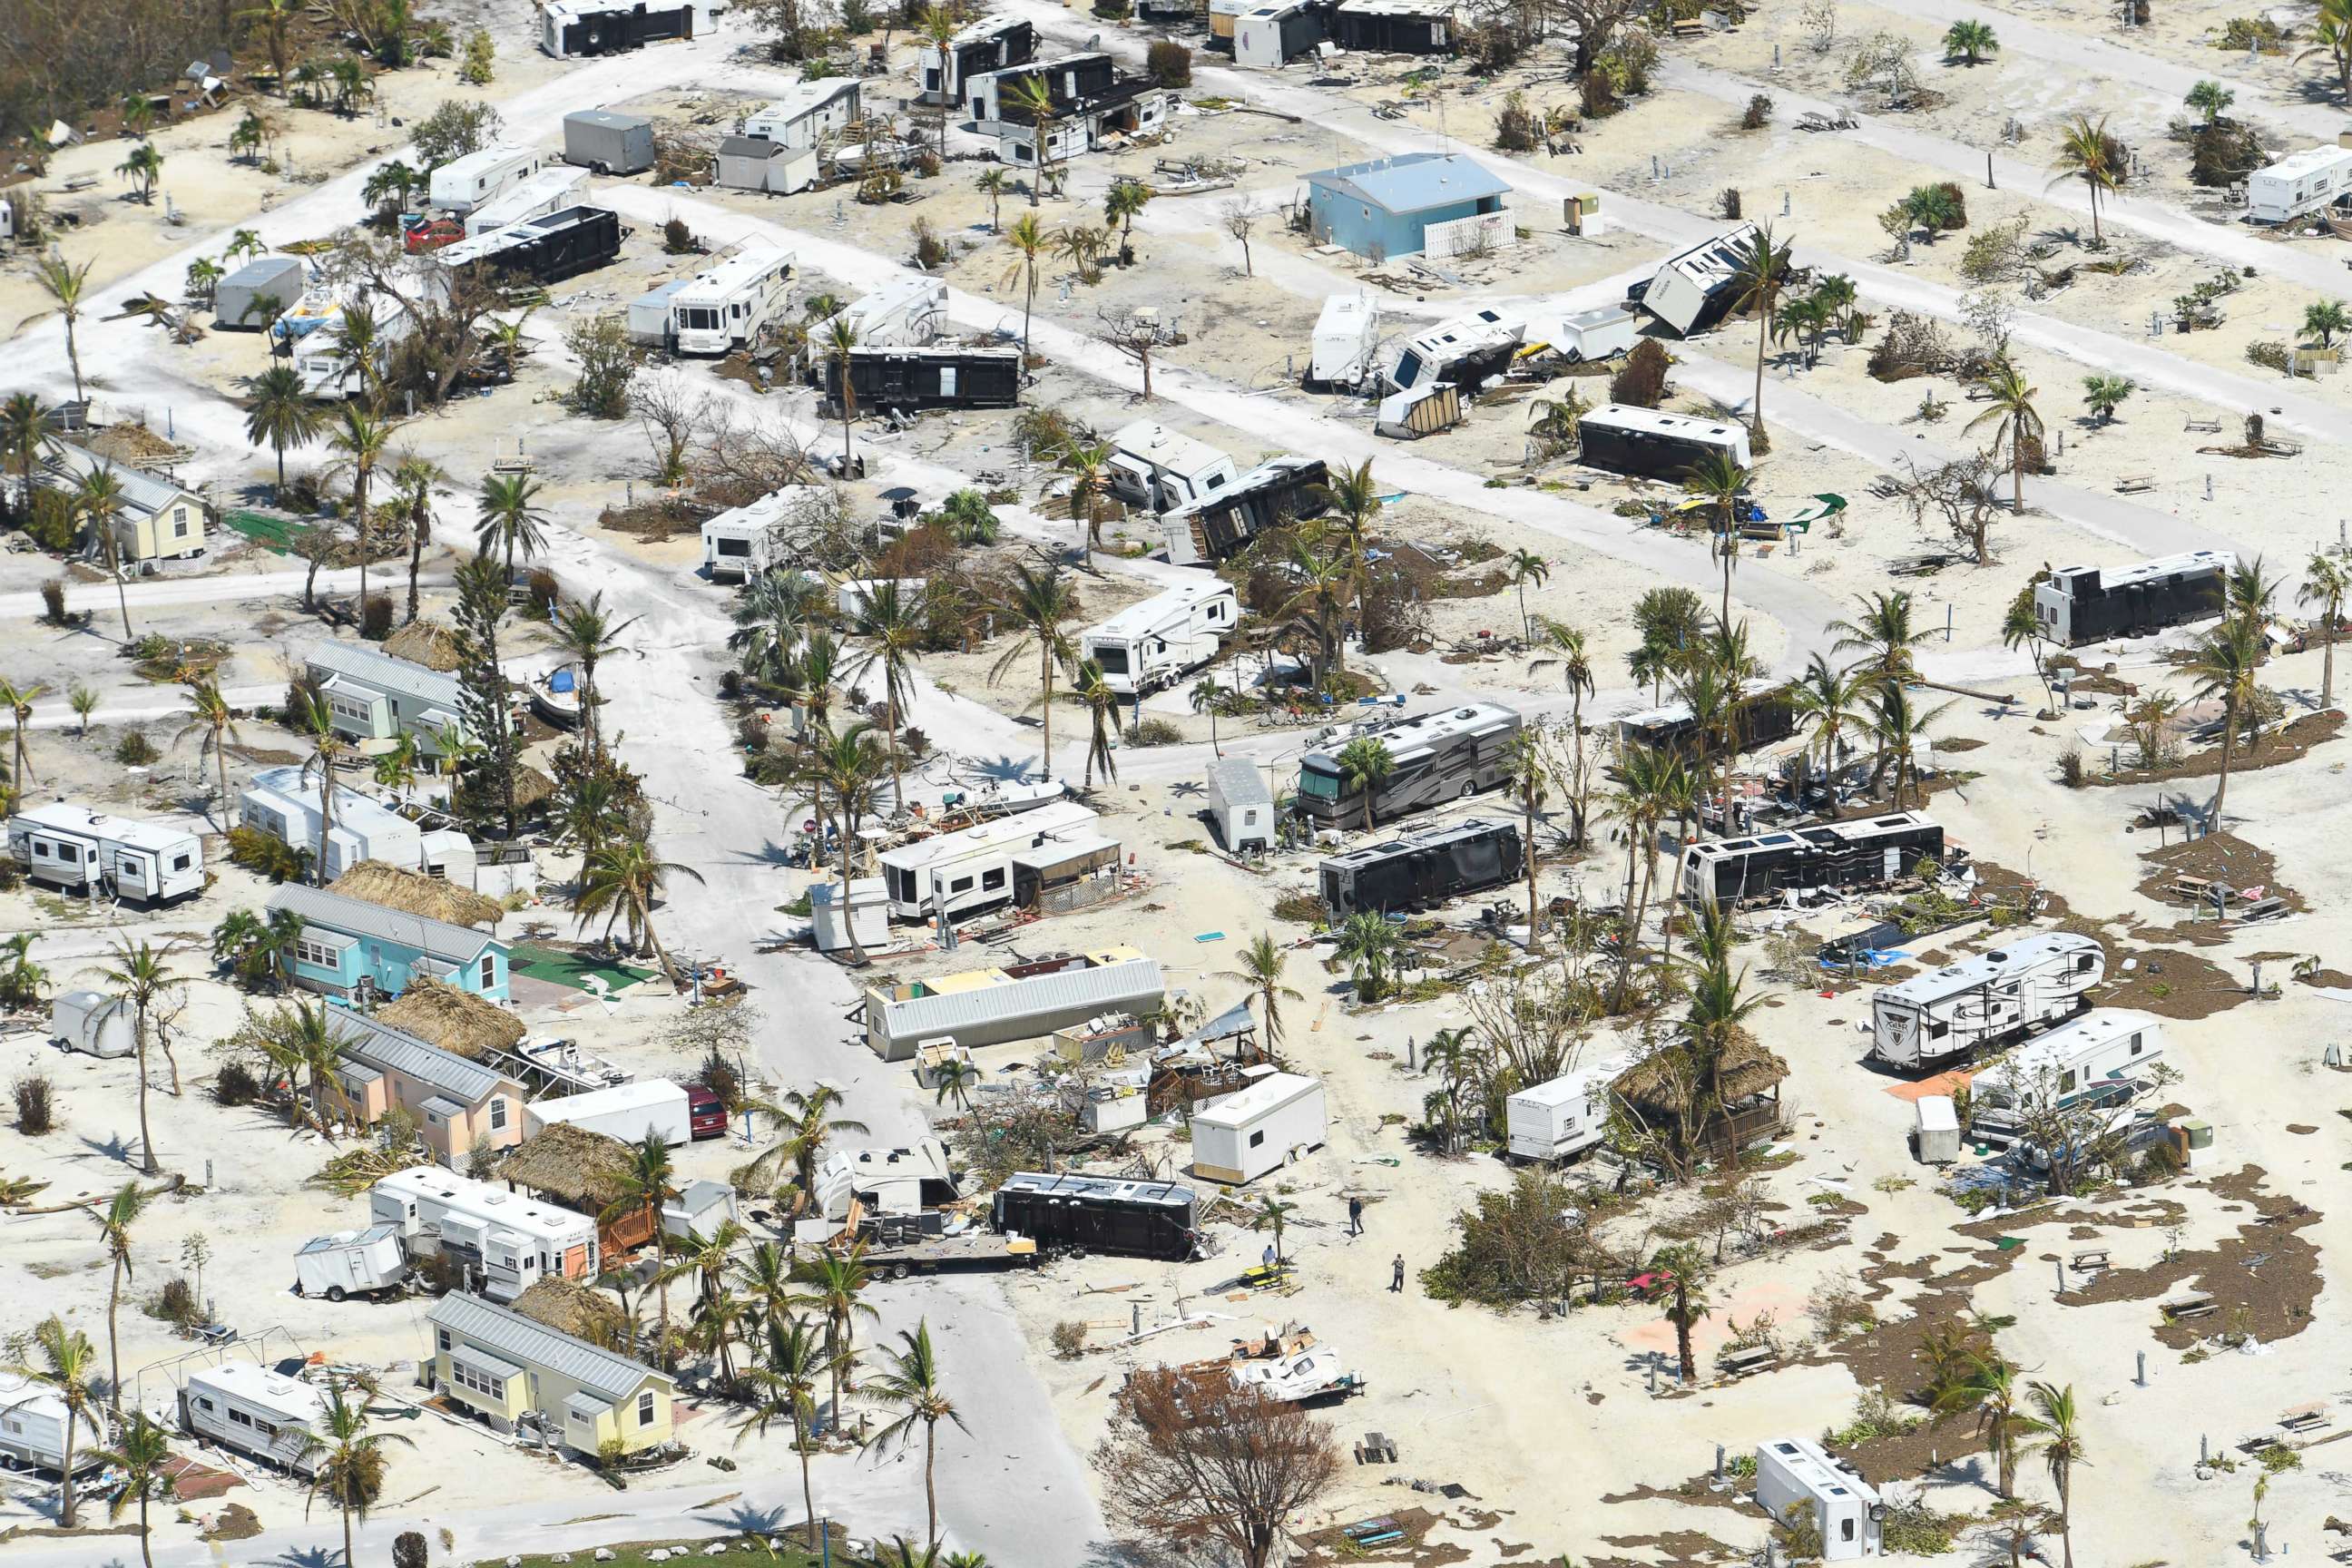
(239, 1417)
(489, 972)
(645, 1409)
(1257, 1137)
(1845, 1529)
(960, 884)
(40, 849)
(993, 879)
(445, 1341)
(317, 954)
(179, 863)
(498, 1114)
(580, 1418)
(204, 1404)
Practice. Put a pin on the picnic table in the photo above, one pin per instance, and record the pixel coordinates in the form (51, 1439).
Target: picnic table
(2188, 1306)
(2307, 1418)
(2090, 1259)
(1748, 1362)
(1376, 1449)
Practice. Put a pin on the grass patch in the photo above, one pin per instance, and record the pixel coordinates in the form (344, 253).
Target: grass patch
(274, 533)
(572, 969)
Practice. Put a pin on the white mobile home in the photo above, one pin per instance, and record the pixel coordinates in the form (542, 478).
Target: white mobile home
(724, 309)
(739, 546)
(2299, 185)
(78, 850)
(2100, 1058)
(1241, 807)
(808, 113)
(1243, 1135)
(1346, 344)
(464, 184)
(283, 802)
(1795, 1474)
(94, 1024)
(376, 696)
(255, 1412)
(1932, 1019)
(1157, 642)
(628, 1112)
(906, 312)
(1000, 1006)
(1563, 1117)
(972, 867)
(1692, 289)
(503, 1241)
(33, 1425)
(1155, 467)
(369, 1262)
(543, 192)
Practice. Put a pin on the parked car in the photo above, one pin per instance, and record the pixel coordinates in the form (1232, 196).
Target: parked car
(705, 1113)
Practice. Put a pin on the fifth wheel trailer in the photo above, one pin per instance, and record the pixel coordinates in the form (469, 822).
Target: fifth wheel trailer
(628, 1112)
(1765, 714)
(1155, 644)
(1423, 869)
(1933, 1018)
(1795, 1474)
(1433, 757)
(1841, 856)
(541, 250)
(2097, 1058)
(2080, 604)
(1693, 289)
(1099, 1214)
(574, 29)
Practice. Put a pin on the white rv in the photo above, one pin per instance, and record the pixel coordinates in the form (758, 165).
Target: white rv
(1794, 1474)
(2299, 185)
(1933, 1018)
(972, 867)
(1692, 289)
(461, 186)
(255, 1412)
(537, 196)
(369, 1262)
(1347, 341)
(1152, 465)
(1562, 1119)
(1269, 37)
(1241, 1137)
(78, 850)
(2101, 1058)
(1466, 351)
(1155, 644)
(739, 546)
(94, 1024)
(724, 309)
(504, 1241)
(808, 113)
(33, 1425)
(906, 312)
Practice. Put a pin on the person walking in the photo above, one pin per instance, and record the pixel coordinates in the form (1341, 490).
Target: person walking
(1355, 1217)
(1396, 1280)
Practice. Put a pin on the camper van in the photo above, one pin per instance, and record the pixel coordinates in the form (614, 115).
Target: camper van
(1840, 856)
(369, 1262)
(1423, 869)
(903, 312)
(502, 1241)
(1563, 1117)
(1450, 754)
(77, 850)
(741, 543)
(2075, 605)
(1152, 465)
(461, 186)
(724, 309)
(1794, 1473)
(1693, 289)
(1346, 340)
(2101, 1058)
(33, 1424)
(1466, 351)
(255, 1412)
(1153, 645)
(1264, 1127)
(1932, 1019)
(972, 867)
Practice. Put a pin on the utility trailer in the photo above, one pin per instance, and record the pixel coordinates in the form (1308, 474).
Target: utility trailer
(1446, 754)
(1842, 856)
(369, 1262)
(1583, 337)
(606, 141)
(2076, 606)
(1152, 645)
(898, 1245)
(1931, 1019)
(1423, 869)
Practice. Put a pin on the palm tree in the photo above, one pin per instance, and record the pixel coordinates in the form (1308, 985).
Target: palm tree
(1558, 421)
(1274, 1214)
(1122, 204)
(279, 413)
(114, 1222)
(1528, 761)
(622, 881)
(141, 974)
(805, 1123)
(1041, 603)
(1825, 697)
(1987, 1387)
(67, 1359)
(1653, 785)
(141, 1453)
(1969, 41)
(1525, 566)
(1365, 764)
(2014, 418)
(584, 633)
(29, 431)
(2325, 317)
(2062, 1450)
(361, 439)
(309, 715)
(1898, 728)
(2226, 663)
(840, 337)
(786, 1385)
(641, 1188)
(413, 480)
(2021, 626)
(1882, 634)
(304, 1042)
(1568, 651)
(19, 701)
(507, 519)
(349, 1461)
(276, 18)
(1028, 239)
(1088, 465)
(358, 340)
(1206, 696)
(1258, 966)
(990, 184)
(98, 497)
(1031, 98)
(2252, 594)
(2086, 152)
(1368, 943)
(892, 627)
(850, 764)
(913, 1386)
(1354, 496)
(954, 1078)
(1687, 1304)
(1326, 579)
(1763, 270)
(64, 282)
(143, 167)
(1717, 479)
(2102, 394)
(835, 1280)
(937, 27)
(2327, 583)
(1090, 687)
(84, 703)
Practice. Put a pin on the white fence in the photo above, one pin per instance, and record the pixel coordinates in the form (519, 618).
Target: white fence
(1459, 236)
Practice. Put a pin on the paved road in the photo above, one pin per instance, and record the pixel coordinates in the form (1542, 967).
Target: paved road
(238, 588)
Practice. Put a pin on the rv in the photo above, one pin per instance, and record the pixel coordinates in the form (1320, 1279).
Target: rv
(538, 251)
(94, 1024)
(1215, 527)
(1766, 714)
(2299, 185)
(1395, 26)
(990, 44)
(1693, 289)
(1346, 340)
(2079, 604)
(904, 313)
(913, 380)
(35, 1422)
(1099, 1214)
(631, 1113)
(1434, 757)
(1931, 1019)
(972, 867)
(574, 29)
(542, 193)
(77, 850)
(1794, 1474)
(1646, 441)
(1585, 337)
(1241, 1136)
(461, 186)
(741, 545)
(1152, 645)
(502, 1241)
(254, 1411)
(808, 113)
(1152, 465)
(724, 309)
(1423, 869)
(1563, 1117)
(1467, 351)
(990, 95)
(885, 1181)
(369, 1262)
(1267, 38)
(1840, 856)
(331, 374)
(2098, 1060)
(607, 143)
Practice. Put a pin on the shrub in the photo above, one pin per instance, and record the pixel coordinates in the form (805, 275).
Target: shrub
(272, 857)
(1113, 10)
(1728, 202)
(135, 750)
(1757, 114)
(1913, 345)
(1642, 382)
(52, 522)
(1516, 127)
(408, 1548)
(35, 1104)
(2271, 355)
(2070, 767)
(930, 248)
(453, 130)
(375, 621)
(1069, 1339)
(2223, 152)
(607, 365)
(175, 1304)
(481, 59)
(1170, 63)
(236, 1084)
(1155, 732)
(545, 593)
(53, 602)
(1491, 46)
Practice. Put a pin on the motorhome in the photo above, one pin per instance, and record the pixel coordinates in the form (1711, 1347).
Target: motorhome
(1932, 1019)
(1563, 1117)
(501, 1241)
(1346, 344)
(1276, 1119)
(1150, 645)
(990, 44)
(1652, 443)
(1764, 715)
(808, 113)
(2100, 1059)
(1099, 1214)
(539, 251)
(972, 867)
(576, 29)
(1215, 527)
(76, 850)
(1445, 754)
(1838, 855)
(725, 307)
(1467, 351)
(1794, 1475)
(1269, 37)
(606, 141)
(255, 1412)
(1395, 26)
(1584, 337)
(1691, 289)
(1423, 869)
(2299, 185)
(35, 1422)
(903, 312)
(2075, 605)
(546, 192)
(461, 186)
(369, 1262)
(1154, 467)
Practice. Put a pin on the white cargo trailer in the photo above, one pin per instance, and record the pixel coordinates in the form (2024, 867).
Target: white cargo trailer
(628, 1112)
(1157, 642)
(94, 1024)
(255, 1412)
(2102, 1059)
(1346, 344)
(1693, 289)
(1241, 807)
(33, 1425)
(369, 1262)
(71, 847)
(461, 186)
(1563, 1117)
(1586, 336)
(722, 309)
(1948, 1013)
(1793, 1473)
(1243, 1135)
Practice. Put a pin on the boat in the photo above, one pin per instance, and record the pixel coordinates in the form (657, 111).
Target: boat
(555, 698)
(1315, 1373)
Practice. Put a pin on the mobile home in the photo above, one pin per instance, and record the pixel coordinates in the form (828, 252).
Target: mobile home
(1157, 642)
(1933, 1018)
(1467, 351)
(724, 309)
(1794, 1474)
(1346, 342)
(369, 1262)
(35, 1422)
(1626, 439)
(574, 30)
(904, 313)
(517, 1373)
(740, 544)
(1221, 525)
(1449, 754)
(542, 193)
(94, 1024)
(461, 186)
(1423, 869)
(1395, 26)
(283, 802)
(990, 44)
(972, 867)
(1100, 1214)
(1152, 465)
(502, 1241)
(1691, 289)
(2299, 185)
(1241, 807)
(606, 141)
(255, 1412)
(1019, 1002)
(2098, 1059)
(1241, 1136)
(1563, 1117)
(77, 850)
(1838, 855)
(1269, 37)
(2080, 604)
(376, 696)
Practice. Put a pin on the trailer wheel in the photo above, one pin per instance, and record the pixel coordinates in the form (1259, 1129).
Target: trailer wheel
(334, 1293)
(1076, 1254)
(899, 1271)
(7, 1461)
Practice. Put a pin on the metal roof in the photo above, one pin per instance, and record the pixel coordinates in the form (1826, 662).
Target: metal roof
(1102, 988)
(289, 791)
(535, 1345)
(1238, 781)
(374, 1044)
(336, 912)
(382, 671)
(142, 491)
(1414, 182)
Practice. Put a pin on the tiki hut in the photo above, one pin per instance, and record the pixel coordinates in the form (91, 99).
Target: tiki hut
(1667, 1091)
(457, 1021)
(428, 642)
(533, 788)
(571, 1308)
(415, 893)
(584, 1171)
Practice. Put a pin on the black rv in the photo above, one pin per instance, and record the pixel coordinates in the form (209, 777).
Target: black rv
(1099, 1214)
(2079, 604)
(910, 381)
(578, 31)
(541, 250)
(1654, 444)
(1395, 26)
(1215, 527)
(1422, 870)
(1844, 856)
(1766, 714)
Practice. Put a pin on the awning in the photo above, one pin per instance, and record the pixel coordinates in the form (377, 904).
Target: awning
(446, 1110)
(489, 1366)
(587, 1407)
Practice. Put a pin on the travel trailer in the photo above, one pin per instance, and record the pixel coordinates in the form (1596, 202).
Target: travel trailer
(94, 1024)
(1423, 869)
(502, 1241)
(725, 307)
(1650, 442)
(1152, 465)
(808, 113)
(575, 29)
(1241, 1136)
(255, 1412)
(2080, 605)
(1346, 342)
(35, 1422)
(913, 380)
(1240, 806)
(77, 850)
(1099, 1214)
(1467, 351)
(369, 1262)
(1220, 525)
(972, 867)
(1691, 289)
(538, 251)
(607, 142)
(1434, 757)
(1269, 37)
(1157, 642)
(628, 1112)
(2099, 1059)
(1563, 1117)
(903, 312)
(1931, 1019)
(542, 193)
(905, 1180)
(1395, 26)
(1840, 856)
(2299, 185)
(990, 44)
(461, 186)
(1764, 715)
(1794, 1474)
(741, 543)
(990, 95)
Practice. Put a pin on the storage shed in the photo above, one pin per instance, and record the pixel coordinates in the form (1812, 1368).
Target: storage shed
(236, 299)
(1241, 807)
(1938, 1138)
(1259, 1128)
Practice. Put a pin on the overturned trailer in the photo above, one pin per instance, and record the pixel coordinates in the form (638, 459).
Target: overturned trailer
(2080, 604)
(915, 380)
(1217, 527)
(541, 250)
(1838, 856)
(1097, 1213)
(1423, 869)
(1395, 26)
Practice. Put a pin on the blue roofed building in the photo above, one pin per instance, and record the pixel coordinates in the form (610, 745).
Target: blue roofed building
(353, 948)
(1388, 207)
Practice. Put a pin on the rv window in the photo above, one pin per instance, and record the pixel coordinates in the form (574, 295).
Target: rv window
(2066, 1084)
(204, 1404)
(1256, 1138)
(2134, 1045)
(960, 884)
(947, 381)
(1938, 1031)
(2083, 964)
(993, 879)
(239, 1416)
(1845, 1529)
(179, 863)
(1216, 483)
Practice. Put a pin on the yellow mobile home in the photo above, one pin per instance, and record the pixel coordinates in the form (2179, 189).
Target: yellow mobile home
(522, 1374)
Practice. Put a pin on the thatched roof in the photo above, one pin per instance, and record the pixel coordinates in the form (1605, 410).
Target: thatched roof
(580, 1169)
(531, 786)
(457, 1021)
(1657, 1083)
(415, 893)
(428, 642)
(571, 1308)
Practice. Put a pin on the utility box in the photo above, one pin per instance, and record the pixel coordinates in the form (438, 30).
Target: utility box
(864, 915)
(1938, 1137)
(1794, 1474)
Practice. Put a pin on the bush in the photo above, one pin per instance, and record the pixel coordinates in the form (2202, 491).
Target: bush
(2223, 152)
(930, 248)
(2070, 767)
(1113, 10)
(236, 1084)
(1727, 203)
(175, 1304)
(1643, 383)
(1491, 46)
(607, 365)
(453, 130)
(35, 1104)
(135, 750)
(1155, 732)
(1170, 63)
(545, 593)
(53, 602)
(1069, 1339)
(1757, 114)
(272, 857)
(2271, 355)
(409, 1549)
(1517, 128)
(52, 523)
(375, 621)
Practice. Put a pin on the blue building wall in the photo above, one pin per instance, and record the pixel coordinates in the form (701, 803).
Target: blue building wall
(389, 965)
(1368, 230)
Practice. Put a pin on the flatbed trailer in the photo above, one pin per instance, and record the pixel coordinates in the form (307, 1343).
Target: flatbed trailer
(973, 1252)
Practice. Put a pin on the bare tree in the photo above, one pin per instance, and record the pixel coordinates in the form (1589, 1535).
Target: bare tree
(673, 413)
(1135, 334)
(752, 458)
(1535, 1019)
(1237, 218)
(1193, 1462)
(1594, 23)
(1963, 494)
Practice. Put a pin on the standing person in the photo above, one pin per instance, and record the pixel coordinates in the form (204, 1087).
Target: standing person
(1355, 1217)
(1268, 1258)
(1396, 1280)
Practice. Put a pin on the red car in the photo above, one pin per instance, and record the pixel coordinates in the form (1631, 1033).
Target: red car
(705, 1113)
(431, 234)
